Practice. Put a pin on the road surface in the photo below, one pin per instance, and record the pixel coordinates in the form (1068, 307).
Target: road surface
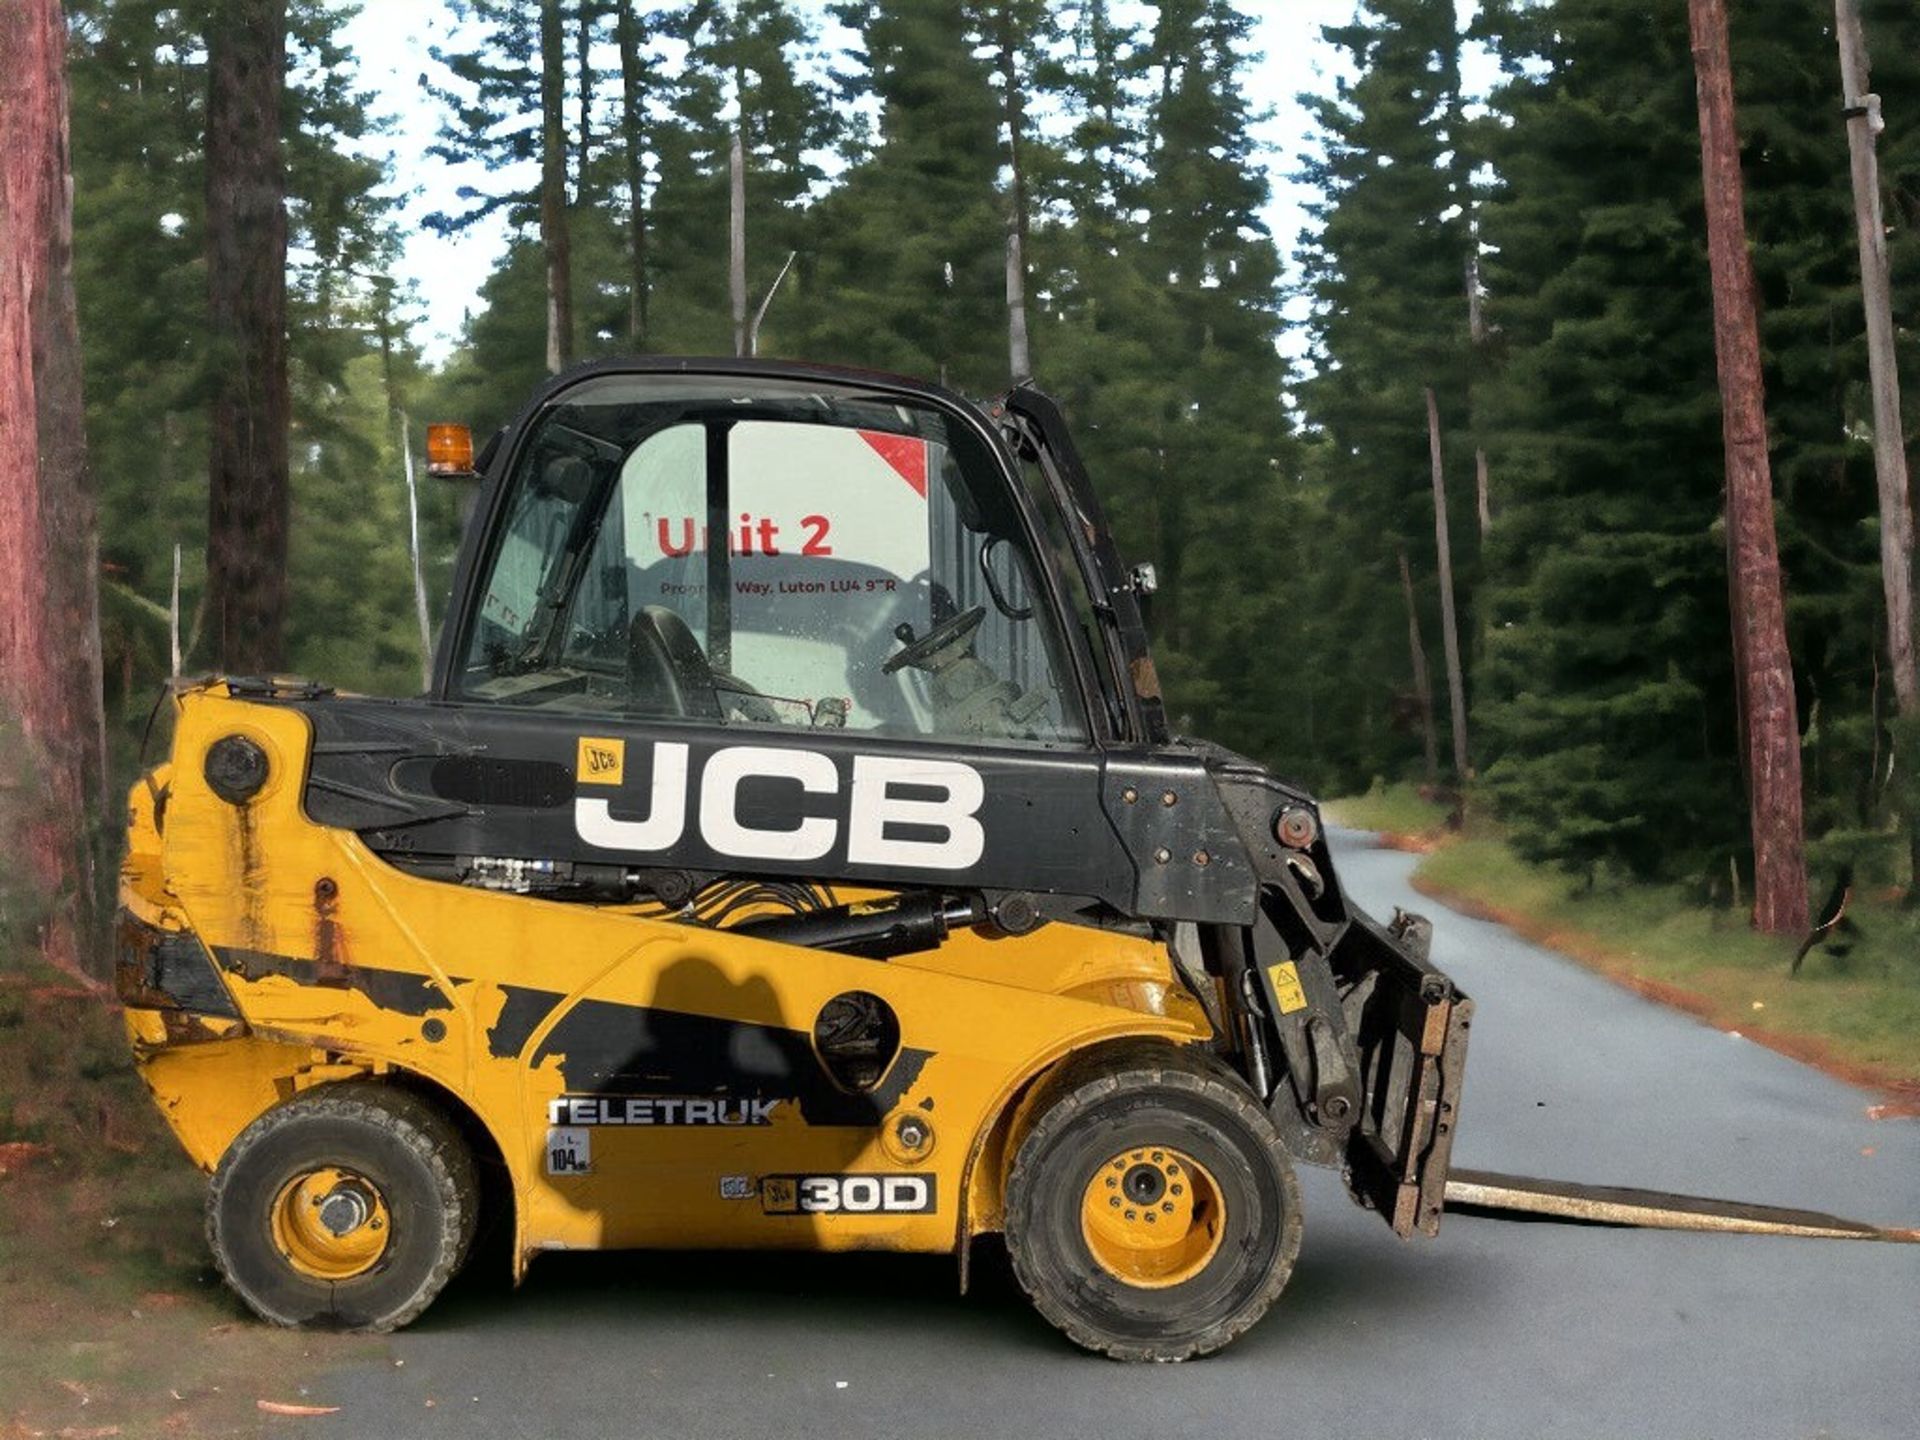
(1494, 1329)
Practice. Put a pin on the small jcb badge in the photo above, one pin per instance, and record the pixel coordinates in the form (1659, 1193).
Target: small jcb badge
(600, 762)
(1286, 986)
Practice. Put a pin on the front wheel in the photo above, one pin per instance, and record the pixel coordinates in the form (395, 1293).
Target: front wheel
(347, 1208)
(1151, 1211)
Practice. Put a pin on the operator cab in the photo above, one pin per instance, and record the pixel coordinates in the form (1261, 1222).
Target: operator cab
(758, 551)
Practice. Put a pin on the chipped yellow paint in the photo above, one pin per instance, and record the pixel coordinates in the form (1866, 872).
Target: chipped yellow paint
(992, 1012)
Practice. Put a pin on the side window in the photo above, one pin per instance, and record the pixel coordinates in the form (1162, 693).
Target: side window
(648, 548)
(871, 577)
(523, 584)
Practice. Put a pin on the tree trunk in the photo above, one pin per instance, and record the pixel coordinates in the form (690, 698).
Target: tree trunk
(633, 84)
(1483, 492)
(1862, 110)
(760, 315)
(583, 74)
(737, 236)
(1765, 668)
(1477, 335)
(1449, 628)
(553, 186)
(1019, 351)
(1422, 686)
(53, 764)
(413, 550)
(248, 488)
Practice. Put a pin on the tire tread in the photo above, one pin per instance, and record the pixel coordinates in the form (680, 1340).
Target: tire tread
(1084, 1083)
(419, 1126)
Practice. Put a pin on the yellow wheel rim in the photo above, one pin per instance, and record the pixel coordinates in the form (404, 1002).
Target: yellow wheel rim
(331, 1224)
(1152, 1217)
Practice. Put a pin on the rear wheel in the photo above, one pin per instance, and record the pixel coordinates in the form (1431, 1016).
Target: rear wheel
(347, 1208)
(1151, 1211)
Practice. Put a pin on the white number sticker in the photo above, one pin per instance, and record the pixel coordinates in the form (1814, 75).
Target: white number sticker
(848, 1194)
(569, 1150)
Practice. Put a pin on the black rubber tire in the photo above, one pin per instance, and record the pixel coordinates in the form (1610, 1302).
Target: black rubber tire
(398, 1141)
(1152, 1096)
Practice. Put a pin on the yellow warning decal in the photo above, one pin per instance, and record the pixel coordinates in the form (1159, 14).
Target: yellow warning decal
(1286, 986)
(601, 762)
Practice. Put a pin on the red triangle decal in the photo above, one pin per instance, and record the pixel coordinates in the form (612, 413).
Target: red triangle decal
(905, 453)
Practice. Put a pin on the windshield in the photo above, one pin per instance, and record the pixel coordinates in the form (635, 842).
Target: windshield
(762, 552)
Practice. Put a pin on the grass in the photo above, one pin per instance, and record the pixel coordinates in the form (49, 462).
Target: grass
(1400, 809)
(1854, 1009)
(115, 1321)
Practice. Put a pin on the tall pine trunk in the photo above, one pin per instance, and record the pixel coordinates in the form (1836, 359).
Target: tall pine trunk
(1889, 453)
(1862, 109)
(633, 95)
(52, 733)
(1477, 335)
(1019, 350)
(1449, 625)
(1765, 677)
(1422, 686)
(553, 186)
(737, 240)
(246, 247)
(583, 77)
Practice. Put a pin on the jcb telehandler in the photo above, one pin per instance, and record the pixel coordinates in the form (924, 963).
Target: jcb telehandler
(792, 852)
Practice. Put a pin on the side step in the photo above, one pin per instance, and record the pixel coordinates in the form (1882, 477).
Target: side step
(1508, 1196)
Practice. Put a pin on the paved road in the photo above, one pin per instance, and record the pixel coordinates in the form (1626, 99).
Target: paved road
(1495, 1329)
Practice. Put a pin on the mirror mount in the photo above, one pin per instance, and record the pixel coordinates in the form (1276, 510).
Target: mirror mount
(1000, 602)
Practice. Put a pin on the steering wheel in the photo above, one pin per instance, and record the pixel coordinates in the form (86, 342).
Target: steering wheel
(667, 672)
(917, 653)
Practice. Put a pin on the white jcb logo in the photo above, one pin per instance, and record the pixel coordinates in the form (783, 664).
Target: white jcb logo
(875, 804)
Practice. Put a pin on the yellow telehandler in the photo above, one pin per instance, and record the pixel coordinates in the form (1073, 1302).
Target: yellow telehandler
(791, 852)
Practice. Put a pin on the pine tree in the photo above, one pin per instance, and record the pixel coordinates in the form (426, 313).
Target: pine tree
(742, 73)
(139, 152)
(141, 286)
(1606, 677)
(1021, 33)
(1609, 692)
(53, 767)
(638, 79)
(249, 491)
(1385, 272)
(915, 228)
(1221, 447)
(491, 95)
(1799, 209)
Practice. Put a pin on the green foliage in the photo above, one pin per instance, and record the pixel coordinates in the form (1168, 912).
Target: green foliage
(491, 96)
(905, 269)
(1607, 620)
(137, 75)
(1159, 292)
(1398, 809)
(1274, 505)
(1855, 1002)
(1607, 709)
(1385, 270)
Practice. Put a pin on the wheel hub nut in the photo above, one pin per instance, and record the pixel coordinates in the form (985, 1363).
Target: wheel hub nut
(1144, 1184)
(344, 1210)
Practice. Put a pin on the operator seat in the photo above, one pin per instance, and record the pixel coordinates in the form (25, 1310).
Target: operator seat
(667, 672)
